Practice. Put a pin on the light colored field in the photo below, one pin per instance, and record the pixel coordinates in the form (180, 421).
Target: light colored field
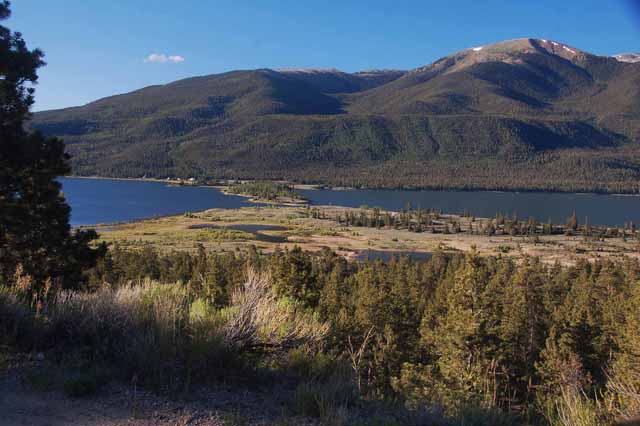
(174, 233)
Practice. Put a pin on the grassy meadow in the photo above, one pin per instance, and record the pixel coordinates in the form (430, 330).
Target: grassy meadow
(301, 226)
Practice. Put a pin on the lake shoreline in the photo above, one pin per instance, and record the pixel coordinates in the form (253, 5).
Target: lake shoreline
(344, 229)
(113, 200)
(320, 186)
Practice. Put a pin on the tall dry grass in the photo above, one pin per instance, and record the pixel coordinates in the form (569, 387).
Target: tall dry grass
(623, 392)
(16, 317)
(159, 333)
(575, 408)
(263, 322)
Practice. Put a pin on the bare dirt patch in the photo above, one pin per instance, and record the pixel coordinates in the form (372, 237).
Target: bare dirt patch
(116, 404)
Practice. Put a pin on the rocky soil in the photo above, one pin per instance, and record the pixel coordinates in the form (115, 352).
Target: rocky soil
(27, 400)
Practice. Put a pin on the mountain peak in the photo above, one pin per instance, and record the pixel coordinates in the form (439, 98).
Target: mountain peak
(506, 46)
(509, 51)
(557, 48)
(525, 45)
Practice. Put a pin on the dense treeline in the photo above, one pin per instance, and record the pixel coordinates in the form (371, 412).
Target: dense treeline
(453, 331)
(264, 190)
(577, 170)
(432, 220)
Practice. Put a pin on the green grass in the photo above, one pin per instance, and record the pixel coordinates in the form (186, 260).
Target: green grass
(216, 235)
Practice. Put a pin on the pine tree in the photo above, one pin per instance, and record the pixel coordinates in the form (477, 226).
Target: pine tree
(624, 383)
(458, 339)
(34, 217)
(522, 328)
(293, 276)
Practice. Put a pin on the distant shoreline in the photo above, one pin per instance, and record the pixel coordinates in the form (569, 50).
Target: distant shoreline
(304, 186)
(221, 188)
(170, 181)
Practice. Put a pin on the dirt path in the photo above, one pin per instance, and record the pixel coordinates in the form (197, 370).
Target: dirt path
(116, 405)
(22, 406)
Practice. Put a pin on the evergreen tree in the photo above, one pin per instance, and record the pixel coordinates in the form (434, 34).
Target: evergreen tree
(34, 217)
(522, 328)
(464, 366)
(293, 276)
(624, 385)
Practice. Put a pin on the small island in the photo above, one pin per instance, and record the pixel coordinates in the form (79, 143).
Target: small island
(266, 192)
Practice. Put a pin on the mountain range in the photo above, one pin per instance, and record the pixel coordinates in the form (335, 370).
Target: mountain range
(525, 114)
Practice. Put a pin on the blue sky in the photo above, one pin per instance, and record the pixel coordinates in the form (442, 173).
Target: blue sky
(99, 48)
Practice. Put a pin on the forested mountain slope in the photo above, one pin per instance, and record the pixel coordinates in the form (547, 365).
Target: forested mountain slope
(521, 114)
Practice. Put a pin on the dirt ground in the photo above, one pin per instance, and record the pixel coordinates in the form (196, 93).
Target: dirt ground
(23, 404)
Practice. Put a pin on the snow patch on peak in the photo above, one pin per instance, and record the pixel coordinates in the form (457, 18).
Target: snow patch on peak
(559, 49)
(477, 49)
(378, 72)
(628, 57)
(309, 70)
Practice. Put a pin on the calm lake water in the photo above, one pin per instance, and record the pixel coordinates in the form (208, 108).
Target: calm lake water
(96, 201)
(105, 201)
(609, 210)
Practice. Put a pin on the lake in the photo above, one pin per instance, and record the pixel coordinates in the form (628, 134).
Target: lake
(105, 201)
(611, 210)
(96, 201)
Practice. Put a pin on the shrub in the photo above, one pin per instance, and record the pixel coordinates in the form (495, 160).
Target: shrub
(306, 363)
(574, 408)
(151, 331)
(262, 322)
(161, 335)
(504, 248)
(325, 399)
(142, 329)
(208, 351)
(623, 392)
(16, 319)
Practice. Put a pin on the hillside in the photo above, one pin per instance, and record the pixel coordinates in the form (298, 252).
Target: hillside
(523, 114)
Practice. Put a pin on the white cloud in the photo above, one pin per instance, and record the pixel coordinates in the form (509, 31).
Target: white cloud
(161, 58)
